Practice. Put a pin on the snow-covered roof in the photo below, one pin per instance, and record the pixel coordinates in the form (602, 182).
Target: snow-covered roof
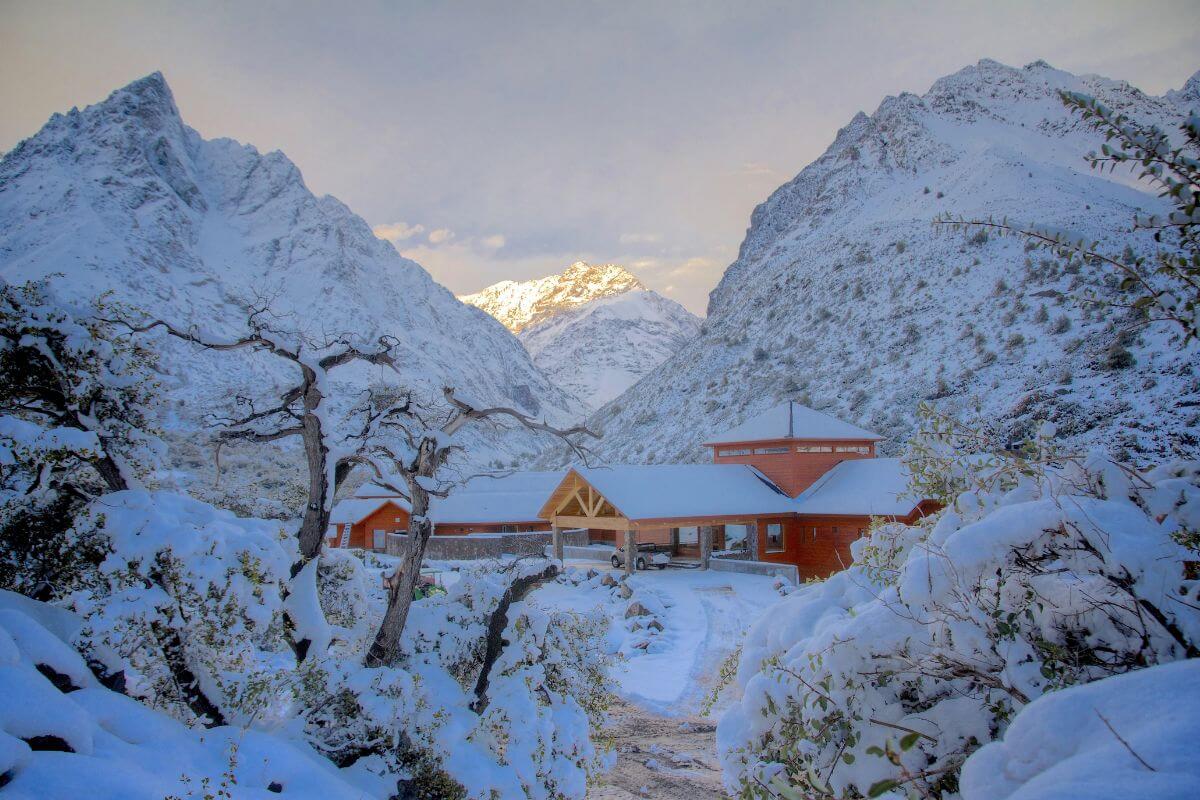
(356, 509)
(866, 486)
(498, 497)
(793, 421)
(660, 491)
(374, 490)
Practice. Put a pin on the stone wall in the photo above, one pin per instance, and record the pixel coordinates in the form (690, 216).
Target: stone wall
(484, 545)
(786, 571)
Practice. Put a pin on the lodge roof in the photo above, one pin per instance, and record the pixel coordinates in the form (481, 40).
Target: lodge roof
(793, 421)
(679, 491)
(355, 509)
(501, 497)
(861, 487)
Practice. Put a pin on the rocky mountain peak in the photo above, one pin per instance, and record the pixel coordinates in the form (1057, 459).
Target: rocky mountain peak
(521, 304)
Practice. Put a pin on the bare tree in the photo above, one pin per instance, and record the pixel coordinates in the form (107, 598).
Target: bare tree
(301, 410)
(405, 445)
(417, 458)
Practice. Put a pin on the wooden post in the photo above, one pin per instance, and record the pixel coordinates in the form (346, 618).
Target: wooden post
(752, 541)
(706, 542)
(630, 552)
(557, 538)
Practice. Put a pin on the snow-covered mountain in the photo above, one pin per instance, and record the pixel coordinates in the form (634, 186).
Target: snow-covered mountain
(595, 330)
(598, 350)
(846, 298)
(124, 197)
(520, 304)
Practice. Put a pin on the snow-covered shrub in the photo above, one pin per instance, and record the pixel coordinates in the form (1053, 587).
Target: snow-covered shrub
(522, 730)
(882, 680)
(188, 590)
(547, 692)
(63, 735)
(76, 419)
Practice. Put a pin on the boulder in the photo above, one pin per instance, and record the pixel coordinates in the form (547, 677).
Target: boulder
(636, 609)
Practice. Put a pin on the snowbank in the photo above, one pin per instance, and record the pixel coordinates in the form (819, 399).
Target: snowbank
(80, 739)
(1128, 736)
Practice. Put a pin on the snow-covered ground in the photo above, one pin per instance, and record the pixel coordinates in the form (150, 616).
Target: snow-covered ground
(704, 615)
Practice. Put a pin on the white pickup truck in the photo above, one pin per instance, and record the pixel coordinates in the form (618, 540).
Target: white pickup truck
(648, 555)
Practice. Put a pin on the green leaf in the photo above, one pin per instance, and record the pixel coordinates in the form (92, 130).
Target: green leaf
(848, 758)
(908, 740)
(879, 787)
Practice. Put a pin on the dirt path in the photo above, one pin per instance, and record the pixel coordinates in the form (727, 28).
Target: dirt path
(673, 757)
(667, 757)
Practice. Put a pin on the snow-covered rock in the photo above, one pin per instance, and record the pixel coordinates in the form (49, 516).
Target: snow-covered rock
(594, 330)
(124, 197)
(846, 298)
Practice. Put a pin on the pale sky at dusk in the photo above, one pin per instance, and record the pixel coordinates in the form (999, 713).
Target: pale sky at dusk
(494, 141)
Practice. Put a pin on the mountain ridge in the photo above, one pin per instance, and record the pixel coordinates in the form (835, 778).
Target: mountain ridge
(843, 297)
(124, 196)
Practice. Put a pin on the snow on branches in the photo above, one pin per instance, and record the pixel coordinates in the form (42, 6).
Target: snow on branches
(77, 410)
(882, 680)
(545, 691)
(71, 395)
(189, 598)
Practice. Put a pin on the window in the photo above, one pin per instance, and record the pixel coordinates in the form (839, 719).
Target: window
(399, 519)
(775, 537)
(762, 451)
(814, 448)
(736, 536)
(854, 448)
(740, 452)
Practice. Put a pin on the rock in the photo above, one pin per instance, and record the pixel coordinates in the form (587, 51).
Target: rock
(641, 644)
(608, 580)
(625, 592)
(591, 573)
(636, 609)
(654, 625)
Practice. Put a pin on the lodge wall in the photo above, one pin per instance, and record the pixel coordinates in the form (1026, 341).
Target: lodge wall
(389, 518)
(792, 471)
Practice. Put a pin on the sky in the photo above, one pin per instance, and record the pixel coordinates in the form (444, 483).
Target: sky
(492, 141)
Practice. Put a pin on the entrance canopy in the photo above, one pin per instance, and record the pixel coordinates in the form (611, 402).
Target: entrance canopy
(649, 496)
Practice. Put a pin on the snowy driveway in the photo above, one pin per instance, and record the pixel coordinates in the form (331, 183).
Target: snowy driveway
(665, 747)
(704, 615)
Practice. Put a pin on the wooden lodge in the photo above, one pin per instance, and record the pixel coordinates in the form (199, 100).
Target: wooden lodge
(791, 486)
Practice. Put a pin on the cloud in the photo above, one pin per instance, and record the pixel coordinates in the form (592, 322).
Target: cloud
(756, 168)
(493, 242)
(640, 238)
(440, 236)
(397, 231)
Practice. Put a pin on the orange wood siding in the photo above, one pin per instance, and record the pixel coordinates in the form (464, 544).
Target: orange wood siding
(792, 471)
(820, 546)
(390, 518)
